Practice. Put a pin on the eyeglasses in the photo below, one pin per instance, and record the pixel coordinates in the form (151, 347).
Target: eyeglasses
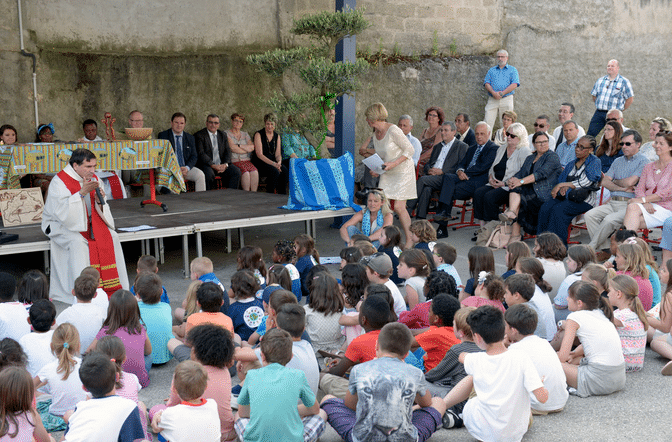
(578, 146)
(626, 143)
(541, 142)
(433, 115)
(238, 121)
(510, 135)
(213, 122)
(611, 119)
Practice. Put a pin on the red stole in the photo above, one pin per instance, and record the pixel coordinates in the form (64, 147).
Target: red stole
(101, 245)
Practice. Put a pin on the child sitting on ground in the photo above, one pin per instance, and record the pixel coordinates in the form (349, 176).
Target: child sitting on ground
(101, 299)
(210, 299)
(599, 276)
(156, 315)
(481, 259)
(413, 268)
(189, 381)
(503, 380)
(390, 244)
(489, 291)
(378, 270)
(61, 378)
(84, 315)
(258, 417)
(278, 279)
(423, 234)
(247, 310)
(147, 263)
(106, 416)
(189, 307)
(630, 261)
(578, 257)
(381, 394)
(37, 344)
(323, 312)
(540, 302)
(13, 315)
(18, 418)
(445, 255)
(450, 371)
(437, 282)
(306, 257)
(597, 366)
(521, 321)
(629, 319)
(441, 336)
(349, 255)
(34, 285)
(283, 253)
(203, 270)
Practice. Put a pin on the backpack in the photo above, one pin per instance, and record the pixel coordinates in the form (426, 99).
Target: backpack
(500, 236)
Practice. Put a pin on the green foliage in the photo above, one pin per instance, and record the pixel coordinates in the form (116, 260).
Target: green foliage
(435, 44)
(396, 50)
(325, 80)
(453, 48)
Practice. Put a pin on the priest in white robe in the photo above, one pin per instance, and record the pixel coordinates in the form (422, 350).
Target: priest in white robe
(79, 235)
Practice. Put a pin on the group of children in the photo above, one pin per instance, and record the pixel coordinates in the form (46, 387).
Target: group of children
(365, 353)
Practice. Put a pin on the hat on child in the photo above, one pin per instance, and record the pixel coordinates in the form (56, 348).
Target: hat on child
(379, 263)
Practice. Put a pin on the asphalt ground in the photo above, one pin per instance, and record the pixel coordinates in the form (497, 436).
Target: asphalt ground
(642, 411)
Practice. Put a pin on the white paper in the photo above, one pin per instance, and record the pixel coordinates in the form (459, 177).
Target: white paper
(136, 228)
(374, 162)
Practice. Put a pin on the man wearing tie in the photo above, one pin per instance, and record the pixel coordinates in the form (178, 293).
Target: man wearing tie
(185, 150)
(472, 174)
(214, 155)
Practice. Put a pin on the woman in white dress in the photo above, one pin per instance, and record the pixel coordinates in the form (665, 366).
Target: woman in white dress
(396, 151)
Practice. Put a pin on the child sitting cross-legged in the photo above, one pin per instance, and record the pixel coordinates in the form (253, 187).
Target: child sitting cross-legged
(37, 344)
(210, 298)
(440, 337)
(445, 255)
(106, 416)
(155, 314)
(503, 380)
(267, 401)
(381, 393)
(189, 380)
(83, 314)
(147, 263)
(521, 321)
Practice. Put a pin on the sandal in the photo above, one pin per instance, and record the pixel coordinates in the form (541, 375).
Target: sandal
(503, 217)
(667, 369)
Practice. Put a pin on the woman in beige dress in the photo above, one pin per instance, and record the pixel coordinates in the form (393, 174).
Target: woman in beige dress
(398, 181)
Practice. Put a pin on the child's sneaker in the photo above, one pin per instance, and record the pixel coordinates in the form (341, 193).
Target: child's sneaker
(452, 420)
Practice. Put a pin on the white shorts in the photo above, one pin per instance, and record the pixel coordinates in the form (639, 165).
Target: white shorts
(657, 218)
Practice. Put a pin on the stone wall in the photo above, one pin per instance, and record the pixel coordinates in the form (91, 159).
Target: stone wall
(161, 57)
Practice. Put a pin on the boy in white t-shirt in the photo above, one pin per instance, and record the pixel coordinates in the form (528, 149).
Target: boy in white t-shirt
(84, 315)
(520, 288)
(37, 345)
(101, 299)
(195, 419)
(503, 380)
(13, 315)
(521, 321)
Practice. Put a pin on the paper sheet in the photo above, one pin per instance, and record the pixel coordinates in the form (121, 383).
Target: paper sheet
(374, 162)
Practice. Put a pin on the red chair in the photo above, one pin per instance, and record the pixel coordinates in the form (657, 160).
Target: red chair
(465, 207)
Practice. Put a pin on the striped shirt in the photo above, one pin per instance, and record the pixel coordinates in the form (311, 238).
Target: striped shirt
(624, 167)
(611, 94)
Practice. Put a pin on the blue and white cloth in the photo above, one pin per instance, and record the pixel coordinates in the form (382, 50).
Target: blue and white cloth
(611, 94)
(326, 184)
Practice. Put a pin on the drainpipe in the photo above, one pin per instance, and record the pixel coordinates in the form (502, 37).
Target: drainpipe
(28, 54)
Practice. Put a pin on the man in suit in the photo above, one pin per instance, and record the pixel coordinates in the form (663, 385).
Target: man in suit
(471, 174)
(445, 158)
(214, 155)
(464, 131)
(184, 146)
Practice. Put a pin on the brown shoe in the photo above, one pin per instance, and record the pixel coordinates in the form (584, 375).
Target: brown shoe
(603, 256)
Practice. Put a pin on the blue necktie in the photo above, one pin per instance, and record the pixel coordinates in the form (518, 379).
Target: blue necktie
(180, 156)
(475, 157)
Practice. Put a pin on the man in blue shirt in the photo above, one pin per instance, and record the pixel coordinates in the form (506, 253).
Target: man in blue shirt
(500, 82)
(612, 91)
(566, 149)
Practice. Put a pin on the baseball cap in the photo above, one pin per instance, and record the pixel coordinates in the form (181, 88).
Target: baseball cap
(379, 263)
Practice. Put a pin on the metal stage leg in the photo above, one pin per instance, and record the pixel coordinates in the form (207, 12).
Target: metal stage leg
(199, 245)
(241, 237)
(313, 229)
(228, 241)
(308, 227)
(142, 247)
(185, 255)
(156, 250)
(47, 268)
(161, 251)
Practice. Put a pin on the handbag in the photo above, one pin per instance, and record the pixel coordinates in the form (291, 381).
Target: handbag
(484, 233)
(500, 236)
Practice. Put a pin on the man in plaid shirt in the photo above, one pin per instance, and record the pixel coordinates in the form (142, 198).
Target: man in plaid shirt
(613, 91)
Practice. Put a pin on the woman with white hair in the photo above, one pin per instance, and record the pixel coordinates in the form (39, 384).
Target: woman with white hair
(398, 180)
(508, 161)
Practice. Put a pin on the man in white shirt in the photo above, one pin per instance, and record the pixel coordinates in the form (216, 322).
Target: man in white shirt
(214, 155)
(542, 124)
(406, 126)
(565, 113)
(445, 158)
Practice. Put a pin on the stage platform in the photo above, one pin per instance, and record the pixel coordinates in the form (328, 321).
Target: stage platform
(188, 213)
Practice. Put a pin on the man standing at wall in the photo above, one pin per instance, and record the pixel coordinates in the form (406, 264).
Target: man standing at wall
(500, 82)
(613, 91)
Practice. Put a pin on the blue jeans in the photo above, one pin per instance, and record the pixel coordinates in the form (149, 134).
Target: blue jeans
(353, 230)
(556, 215)
(666, 240)
(148, 362)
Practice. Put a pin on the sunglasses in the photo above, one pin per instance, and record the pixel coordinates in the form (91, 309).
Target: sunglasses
(611, 119)
(511, 135)
(578, 146)
(626, 143)
(539, 125)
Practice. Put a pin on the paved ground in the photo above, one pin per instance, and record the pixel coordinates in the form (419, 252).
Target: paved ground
(640, 412)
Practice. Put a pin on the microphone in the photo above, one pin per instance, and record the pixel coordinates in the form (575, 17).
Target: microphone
(100, 197)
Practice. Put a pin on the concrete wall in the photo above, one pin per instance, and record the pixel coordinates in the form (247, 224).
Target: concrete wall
(168, 55)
